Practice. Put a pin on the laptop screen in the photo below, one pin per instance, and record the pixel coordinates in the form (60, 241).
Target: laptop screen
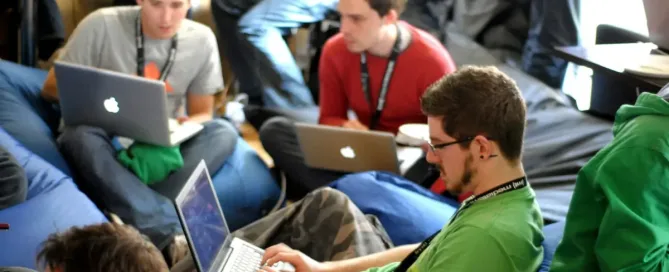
(657, 18)
(204, 220)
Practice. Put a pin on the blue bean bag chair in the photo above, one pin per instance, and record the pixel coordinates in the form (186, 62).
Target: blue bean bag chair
(245, 187)
(54, 203)
(408, 212)
(27, 117)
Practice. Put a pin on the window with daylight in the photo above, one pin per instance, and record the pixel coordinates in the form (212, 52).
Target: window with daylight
(627, 14)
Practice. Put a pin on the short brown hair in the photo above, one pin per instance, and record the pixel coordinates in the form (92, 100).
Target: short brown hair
(382, 7)
(479, 101)
(102, 247)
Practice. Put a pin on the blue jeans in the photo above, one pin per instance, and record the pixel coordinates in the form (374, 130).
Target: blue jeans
(258, 54)
(148, 208)
(552, 23)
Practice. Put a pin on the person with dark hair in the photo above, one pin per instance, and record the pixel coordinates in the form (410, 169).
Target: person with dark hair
(377, 66)
(108, 247)
(476, 119)
(13, 182)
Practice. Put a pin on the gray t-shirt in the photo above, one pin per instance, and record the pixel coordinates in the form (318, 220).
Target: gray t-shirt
(106, 39)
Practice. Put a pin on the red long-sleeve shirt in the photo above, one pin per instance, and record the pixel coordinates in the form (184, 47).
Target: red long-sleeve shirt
(422, 63)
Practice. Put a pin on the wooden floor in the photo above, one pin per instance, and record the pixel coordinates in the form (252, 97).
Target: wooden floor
(251, 136)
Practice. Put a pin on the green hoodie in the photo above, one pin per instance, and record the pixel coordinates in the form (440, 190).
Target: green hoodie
(151, 163)
(618, 219)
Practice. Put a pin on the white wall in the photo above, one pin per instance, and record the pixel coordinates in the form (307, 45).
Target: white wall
(628, 14)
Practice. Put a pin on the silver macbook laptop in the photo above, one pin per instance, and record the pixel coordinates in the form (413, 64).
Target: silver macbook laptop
(121, 104)
(207, 233)
(347, 150)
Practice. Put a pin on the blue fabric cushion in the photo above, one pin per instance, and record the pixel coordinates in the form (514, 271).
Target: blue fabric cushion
(25, 115)
(408, 212)
(53, 204)
(245, 187)
(552, 236)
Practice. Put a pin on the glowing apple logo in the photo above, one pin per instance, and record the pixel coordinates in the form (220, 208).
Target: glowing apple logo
(347, 152)
(111, 105)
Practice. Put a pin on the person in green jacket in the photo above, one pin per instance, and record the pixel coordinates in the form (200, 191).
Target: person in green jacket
(618, 219)
(476, 120)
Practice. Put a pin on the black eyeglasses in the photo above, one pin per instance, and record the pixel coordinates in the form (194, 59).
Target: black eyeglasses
(440, 146)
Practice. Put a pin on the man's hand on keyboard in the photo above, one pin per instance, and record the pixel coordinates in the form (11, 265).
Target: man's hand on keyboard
(283, 253)
(355, 124)
(182, 119)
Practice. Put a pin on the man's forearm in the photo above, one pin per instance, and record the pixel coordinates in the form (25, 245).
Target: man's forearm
(332, 121)
(49, 88)
(200, 117)
(374, 260)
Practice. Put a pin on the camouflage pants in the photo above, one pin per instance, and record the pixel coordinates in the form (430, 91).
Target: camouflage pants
(324, 225)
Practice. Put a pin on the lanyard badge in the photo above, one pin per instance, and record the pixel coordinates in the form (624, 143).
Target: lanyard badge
(139, 40)
(364, 77)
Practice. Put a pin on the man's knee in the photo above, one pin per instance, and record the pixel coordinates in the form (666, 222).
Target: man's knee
(275, 126)
(77, 135)
(220, 126)
(330, 193)
(327, 197)
(221, 133)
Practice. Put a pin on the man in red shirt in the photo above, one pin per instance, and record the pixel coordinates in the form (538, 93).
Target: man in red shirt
(376, 66)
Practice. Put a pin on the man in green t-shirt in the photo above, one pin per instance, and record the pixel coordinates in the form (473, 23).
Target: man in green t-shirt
(476, 118)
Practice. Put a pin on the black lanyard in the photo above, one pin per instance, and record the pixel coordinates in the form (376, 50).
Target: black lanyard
(364, 77)
(139, 39)
(510, 186)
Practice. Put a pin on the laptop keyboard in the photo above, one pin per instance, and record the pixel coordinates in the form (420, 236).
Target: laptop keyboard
(248, 259)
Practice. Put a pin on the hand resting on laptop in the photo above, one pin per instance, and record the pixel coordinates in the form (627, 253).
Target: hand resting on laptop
(355, 124)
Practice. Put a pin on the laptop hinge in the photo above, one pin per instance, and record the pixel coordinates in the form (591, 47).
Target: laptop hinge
(227, 256)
